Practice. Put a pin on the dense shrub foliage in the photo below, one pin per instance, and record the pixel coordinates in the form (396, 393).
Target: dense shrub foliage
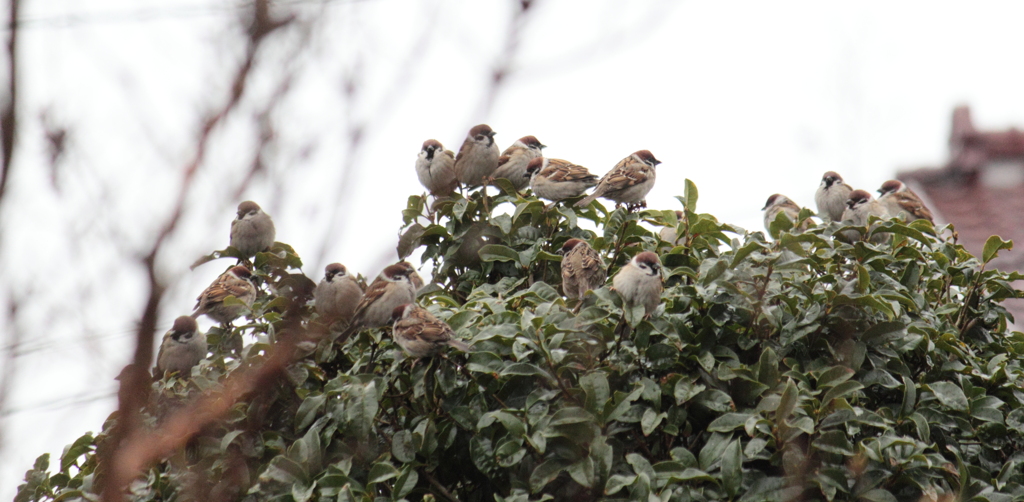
(801, 368)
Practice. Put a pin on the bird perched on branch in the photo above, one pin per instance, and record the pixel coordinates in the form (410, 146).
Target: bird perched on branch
(639, 282)
(859, 207)
(182, 348)
(478, 157)
(236, 282)
(903, 202)
(253, 230)
(831, 196)
(435, 168)
(582, 269)
(393, 287)
(628, 182)
(779, 203)
(557, 179)
(514, 160)
(337, 295)
(420, 334)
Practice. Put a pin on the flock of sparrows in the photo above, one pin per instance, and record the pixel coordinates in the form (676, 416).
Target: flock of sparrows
(479, 163)
(340, 300)
(839, 202)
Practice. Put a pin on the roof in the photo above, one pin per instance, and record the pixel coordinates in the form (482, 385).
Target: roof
(980, 191)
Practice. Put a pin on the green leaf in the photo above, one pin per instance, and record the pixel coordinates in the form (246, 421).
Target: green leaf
(993, 245)
(595, 385)
(545, 473)
(583, 472)
(732, 472)
(878, 495)
(690, 195)
(405, 483)
(402, 447)
(729, 422)
(618, 482)
(497, 252)
(840, 391)
(650, 421)
(834, 441)
(381, 471)
(949, 394)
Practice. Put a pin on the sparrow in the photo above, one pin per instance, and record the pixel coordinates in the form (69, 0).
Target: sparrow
(859, 207)
(557, 179)
(478, 157)
(903, 202)
(253, 230)
(420, 334)
(628, 182)
(337, 295)
(779, 203)
(235, 282)
(669, 234)
(435, 167)
(515, 159)
(393, 287)
(639, 282)
(414, 278)
(831, 196)
(182, 348)
(582, 269)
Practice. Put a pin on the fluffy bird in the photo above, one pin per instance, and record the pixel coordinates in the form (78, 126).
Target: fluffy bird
(582, 269)
(478, 157)
(639, 282)
(182, 348)
(393, 287)
(337, 295)
(253, 230)
(515, 159)
(435, 168)
(420, 334)
(236, 282)
(557, 179)
(628, 182)
(779, 203)
(831, 196)
(859, 207)
(903, 202)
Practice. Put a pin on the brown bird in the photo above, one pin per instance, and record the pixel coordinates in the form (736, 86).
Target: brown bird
(859, 207)
(628, 182)
(337, 295)
(478, 157)
(557, 179)
(639, 282)
(903, 202)
(420, 334)
(393, 287)
(582, 269)
(182, 348)
(435, 168)
(831, 196)
(514, 160)
(236, 282)
(253, 230)
(779, 203)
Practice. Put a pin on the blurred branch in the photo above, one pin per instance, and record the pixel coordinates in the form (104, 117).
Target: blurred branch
(132, 449)
(8, 114)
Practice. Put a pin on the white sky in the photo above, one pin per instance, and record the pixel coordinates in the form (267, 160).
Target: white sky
(746, 98)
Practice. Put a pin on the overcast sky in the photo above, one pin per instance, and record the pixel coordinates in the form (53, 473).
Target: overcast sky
(746, 98)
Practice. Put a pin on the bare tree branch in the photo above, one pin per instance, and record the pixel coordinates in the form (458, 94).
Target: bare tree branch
(124, 460)
(8, 114)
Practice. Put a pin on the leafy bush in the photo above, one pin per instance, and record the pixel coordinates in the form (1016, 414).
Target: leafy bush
(803, 368)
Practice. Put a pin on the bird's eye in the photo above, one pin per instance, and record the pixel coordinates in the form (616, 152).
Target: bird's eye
(480, 137)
